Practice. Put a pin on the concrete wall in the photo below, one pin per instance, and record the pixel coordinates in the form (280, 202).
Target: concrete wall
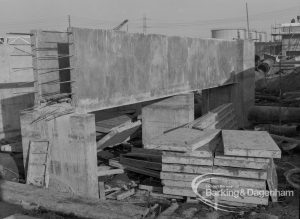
(116, 68)
(48, 50)
(166, 114)
(73, 151)
(16, 83)
(241, 93)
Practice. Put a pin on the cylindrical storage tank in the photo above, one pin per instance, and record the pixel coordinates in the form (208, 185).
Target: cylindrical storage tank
(229, 34)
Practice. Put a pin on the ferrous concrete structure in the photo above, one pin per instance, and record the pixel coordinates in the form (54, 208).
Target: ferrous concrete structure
(103, 69)
(16, 82)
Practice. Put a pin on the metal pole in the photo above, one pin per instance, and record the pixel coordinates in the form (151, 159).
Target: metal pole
(144, 24)
(69, 20)
(248, 29)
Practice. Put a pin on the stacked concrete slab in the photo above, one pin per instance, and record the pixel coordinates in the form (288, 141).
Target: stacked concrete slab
(187, 153)
(240, 162)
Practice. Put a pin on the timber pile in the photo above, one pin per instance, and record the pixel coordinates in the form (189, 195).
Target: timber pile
(143, 161)
(244, 160)
(222, 117)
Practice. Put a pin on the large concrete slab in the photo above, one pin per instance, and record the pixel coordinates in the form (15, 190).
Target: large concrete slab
(250, 144)
(73, 150)
(165, 115)
(183, 140)
(123, 68)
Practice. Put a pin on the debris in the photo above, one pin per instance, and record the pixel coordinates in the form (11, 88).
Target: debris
(272, 114)
(286, 130)
(165, 196)
(169, 211)
(29, 205)
(293, 176)
(150, 188)
(12, 147)
(126, 194)
(118, 134)
(101, 190)
(262, 216)
(285, 139)
(114, 162)
(107, 170)
(143, 161)
(20, 216)
(189, 213)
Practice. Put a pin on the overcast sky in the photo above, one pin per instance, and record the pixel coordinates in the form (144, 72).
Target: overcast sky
(173, 17)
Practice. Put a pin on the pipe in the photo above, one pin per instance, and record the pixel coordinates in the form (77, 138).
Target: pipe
(266, 65)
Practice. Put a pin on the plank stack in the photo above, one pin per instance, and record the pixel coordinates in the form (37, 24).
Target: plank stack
(239, 161)
(222, 117)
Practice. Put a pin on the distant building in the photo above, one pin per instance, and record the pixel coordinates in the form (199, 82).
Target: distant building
(239, 33)
(289, 34)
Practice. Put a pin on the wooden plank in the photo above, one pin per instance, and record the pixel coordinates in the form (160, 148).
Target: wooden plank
(101, 190)
(146, 172)
(145, 151)
(147, 157)
(183, 184)
(140, 163)
(224, 122)
(272, 181)
(183, 139)
(236, 204)
(238, 183)
(115, 163)
(150, 188)
(125, 194)
(118, 135)
(188, 160)
(238, 172)
(172, 190)
(107, 171)
(38, 163)
(195, 169)
(107, 125)
(211, 117)
(240, 163)
(250, 144)
(165, 196)
(178, 176)
(246, 200)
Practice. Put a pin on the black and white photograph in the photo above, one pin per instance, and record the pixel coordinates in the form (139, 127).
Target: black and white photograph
(149, 109)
